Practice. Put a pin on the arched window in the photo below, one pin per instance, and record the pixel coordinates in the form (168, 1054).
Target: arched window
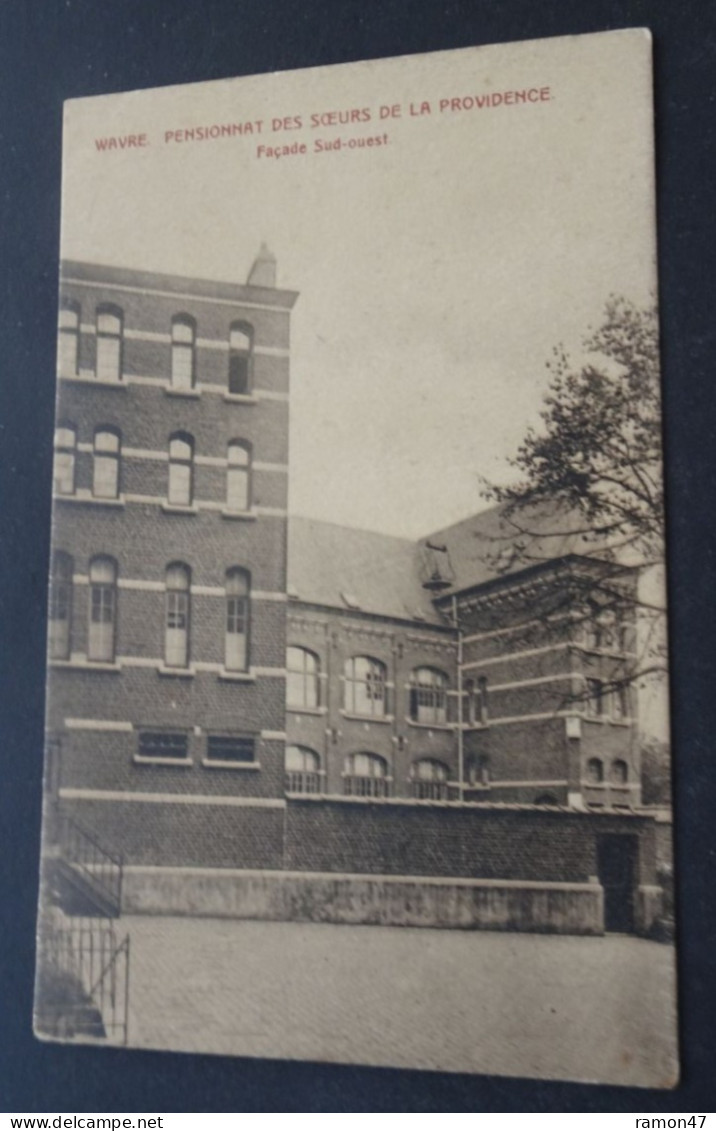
(105, 467)
(479, 770)
(429, 780)
(365, 775)
(176, 644)
(619, 772)
(302, 770)
(546, 799)
(108, 365)
(241, 344)
(60, 609)
(68, 346)
(183, 351)
(181, 460)
(64, 462)
(238, 476)
(238, 590)
(428, 696)
(365, 690)
(595, 771)
(302, 683)
(103, 609)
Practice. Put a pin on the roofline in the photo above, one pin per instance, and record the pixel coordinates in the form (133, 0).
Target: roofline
(519, 576)
(128, 279)
(297, 602)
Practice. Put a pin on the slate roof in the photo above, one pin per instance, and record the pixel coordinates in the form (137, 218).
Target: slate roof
(362, 570)
(358, 570)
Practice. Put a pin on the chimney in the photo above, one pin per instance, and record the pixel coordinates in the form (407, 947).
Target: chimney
(263, 272)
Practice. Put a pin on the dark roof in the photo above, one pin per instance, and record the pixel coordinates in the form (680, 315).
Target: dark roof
(483, 546)
(365, 571)
(358, 570)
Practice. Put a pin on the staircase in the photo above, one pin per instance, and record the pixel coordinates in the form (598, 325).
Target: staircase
(83, 967)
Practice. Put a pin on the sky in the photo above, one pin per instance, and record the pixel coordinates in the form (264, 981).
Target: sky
(436, 269)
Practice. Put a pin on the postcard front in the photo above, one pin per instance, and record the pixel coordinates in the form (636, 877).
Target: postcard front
(357, 734)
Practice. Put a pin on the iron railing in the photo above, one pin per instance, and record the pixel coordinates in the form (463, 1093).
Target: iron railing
(97, 870)
(83, 982)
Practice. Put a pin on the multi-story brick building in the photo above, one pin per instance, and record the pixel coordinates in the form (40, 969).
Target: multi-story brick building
(233, 693)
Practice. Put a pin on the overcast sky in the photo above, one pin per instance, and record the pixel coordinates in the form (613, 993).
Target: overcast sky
(436, 272)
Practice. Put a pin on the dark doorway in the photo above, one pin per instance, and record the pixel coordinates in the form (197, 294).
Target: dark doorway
(617, 870)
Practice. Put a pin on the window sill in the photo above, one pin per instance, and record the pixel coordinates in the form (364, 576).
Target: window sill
(180, 673)
(179, 508)
(430, 726)
(239, 398)
(239, 516)
(91, 500)
(606, 721)
(87, 665)
(217, 764)
(236, 677)
(90, 379)
(367, 718)
(142, 760)
(186, 394)
(293, 710)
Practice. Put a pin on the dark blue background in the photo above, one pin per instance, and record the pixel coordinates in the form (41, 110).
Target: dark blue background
(51, 50)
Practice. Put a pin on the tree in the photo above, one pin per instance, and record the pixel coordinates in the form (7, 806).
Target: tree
(589, 478)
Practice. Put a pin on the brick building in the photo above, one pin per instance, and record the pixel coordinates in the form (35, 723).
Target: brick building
(168, 596)
(239, 694)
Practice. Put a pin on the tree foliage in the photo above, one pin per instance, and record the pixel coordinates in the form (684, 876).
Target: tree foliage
(589, 482)
(596, 459)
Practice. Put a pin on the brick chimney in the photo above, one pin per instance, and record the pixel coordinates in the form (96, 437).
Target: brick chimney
(263, 272)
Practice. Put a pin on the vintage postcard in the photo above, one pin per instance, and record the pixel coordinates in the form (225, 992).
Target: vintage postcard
(357, 732)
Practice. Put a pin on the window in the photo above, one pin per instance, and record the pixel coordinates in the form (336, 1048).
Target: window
(238, 476)
(365, 690)
(302, 770)
(68, 346)
(479, 771)
(60, 609)
(546, 799)
(428, 696)
(64, 463)
(619, 703)
(103, 609)
(365, 775)
(230, 748)
(241, 339)
(619, 773)
(181, 461)
(595, 771)
(594, 705)
(109, 343)
(429, 780)
(176, 645)
(303, 680)
(238, 588)
(105, 467)
(183, 351)
(163, 744)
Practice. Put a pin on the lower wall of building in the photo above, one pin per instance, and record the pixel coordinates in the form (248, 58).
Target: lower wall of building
(444, 840)
(184, 835)
(408, 901)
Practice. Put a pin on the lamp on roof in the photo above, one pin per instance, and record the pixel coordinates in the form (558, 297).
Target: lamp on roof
(436, 572)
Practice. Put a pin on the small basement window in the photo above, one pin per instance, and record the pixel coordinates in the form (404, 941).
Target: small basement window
(230, 748)
(163, 744)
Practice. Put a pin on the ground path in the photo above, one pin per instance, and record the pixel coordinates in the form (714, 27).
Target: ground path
(599, 1009)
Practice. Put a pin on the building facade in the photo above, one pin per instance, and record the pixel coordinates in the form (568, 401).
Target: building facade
(242, 695)
(168, 593)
